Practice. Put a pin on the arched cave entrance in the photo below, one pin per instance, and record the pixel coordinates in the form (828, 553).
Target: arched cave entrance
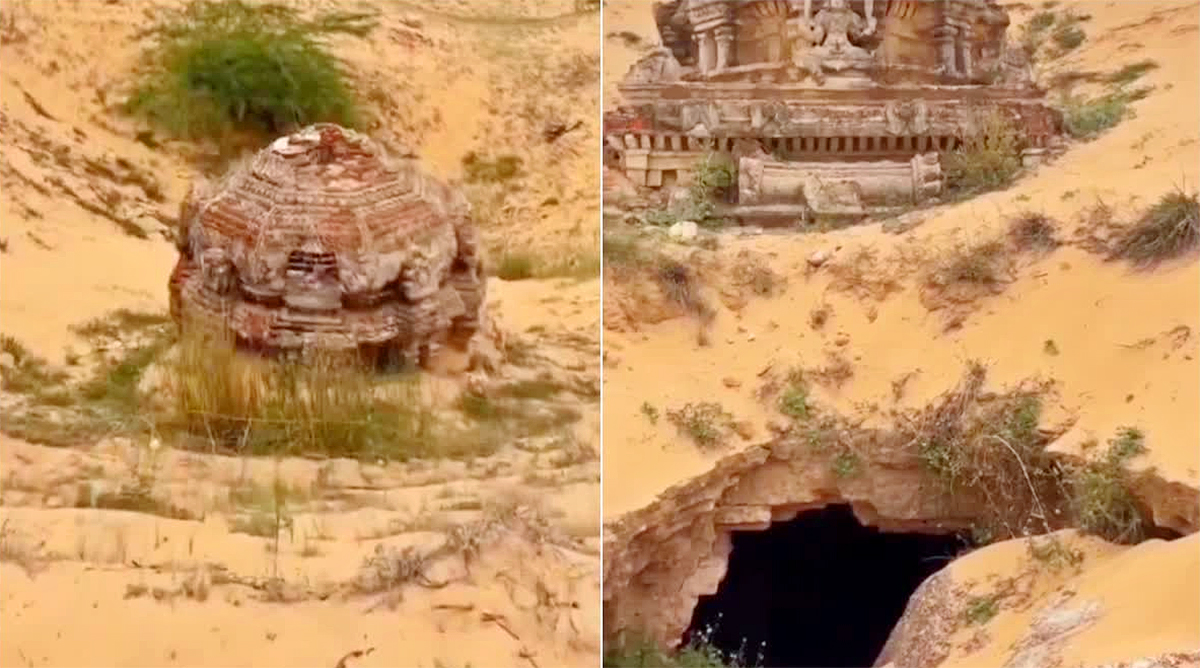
(818, 590)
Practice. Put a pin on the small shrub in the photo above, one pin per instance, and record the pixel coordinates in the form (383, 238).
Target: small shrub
(1042, 20)
(1127, 444)
(846, 464)
(713, 177)
(752, 272)
(29, 373)
(1101, 499)
(1034, 32)
(515, 266)
(1168, 230)
(981, 609)
(224, 65)
(642, 653)
(1050, 347)
(1085, 119)
(1104, 506)
(794, 401)
(1032, 231)
(650, 412)
(1131, 72)
(990, 159)
(1068, 36)
(706, 423)
(819, 316)
(681, 287)
(990, 456)
(985, 263)
(478, 169)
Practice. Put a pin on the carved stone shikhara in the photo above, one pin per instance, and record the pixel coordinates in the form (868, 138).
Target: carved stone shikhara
(884, 84)
(321, 242)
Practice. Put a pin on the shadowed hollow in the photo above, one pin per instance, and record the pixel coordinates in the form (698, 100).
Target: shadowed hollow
(818, 590)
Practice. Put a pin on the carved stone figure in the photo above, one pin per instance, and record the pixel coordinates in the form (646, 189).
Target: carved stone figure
(833, 29)
(831, 85)
(833, 196)
(906, 117)
(321, 242)
(803, 38)
(700, 119)
(659, 66)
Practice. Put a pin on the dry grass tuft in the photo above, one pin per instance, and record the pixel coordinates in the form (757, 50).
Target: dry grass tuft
(707, 423)
(1168, 230)
(1031, 231)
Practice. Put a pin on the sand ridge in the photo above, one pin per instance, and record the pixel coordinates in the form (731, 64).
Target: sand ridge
(502, 550)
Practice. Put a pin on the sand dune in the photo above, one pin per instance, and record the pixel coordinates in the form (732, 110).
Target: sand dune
(511, 539)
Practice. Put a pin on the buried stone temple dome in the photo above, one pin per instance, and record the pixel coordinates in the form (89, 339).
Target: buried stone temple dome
(321, 242)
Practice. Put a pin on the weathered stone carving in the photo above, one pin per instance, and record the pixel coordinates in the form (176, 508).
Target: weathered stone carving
(910, 116)
(321, 242)
(659, 66)
(833, 29)
(821, 81)
(837, 188)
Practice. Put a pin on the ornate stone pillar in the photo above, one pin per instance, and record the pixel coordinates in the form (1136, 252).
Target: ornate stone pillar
(966, 35)
(724, 36)
(705, 52)
(946, 37)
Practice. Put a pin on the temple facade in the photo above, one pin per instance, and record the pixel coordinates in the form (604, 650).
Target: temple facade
(816, 87)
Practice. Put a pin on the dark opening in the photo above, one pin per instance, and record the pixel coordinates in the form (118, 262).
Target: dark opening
(819, 590)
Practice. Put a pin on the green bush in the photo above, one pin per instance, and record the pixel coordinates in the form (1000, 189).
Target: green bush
(643, 653)
(1068, 36)
(989, 159)
(712, 178)
(1101, 500)
(1170, 229)
(1131, 72)
(1086, 118)
(706, 423)
(217, 66)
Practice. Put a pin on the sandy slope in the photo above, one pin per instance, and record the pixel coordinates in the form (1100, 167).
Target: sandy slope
(1091, 616)
(75, 183)
(1094, 312)
(1126, 341)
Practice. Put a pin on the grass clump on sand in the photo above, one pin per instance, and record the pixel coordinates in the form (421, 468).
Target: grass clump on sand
(628, 259)
(520, 265)
(1086, 118)
(1033, 231)
(1168, 230)
(326, 405)
(989, 159)
(983, 263)
(644, 653)
(1131, 72)
(1101, 500)
(988, 454)
(222, 66)
(713, 176)
(706, 423)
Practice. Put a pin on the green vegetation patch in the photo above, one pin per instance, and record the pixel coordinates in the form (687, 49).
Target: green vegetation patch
(220, 66)
(1169, 229)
